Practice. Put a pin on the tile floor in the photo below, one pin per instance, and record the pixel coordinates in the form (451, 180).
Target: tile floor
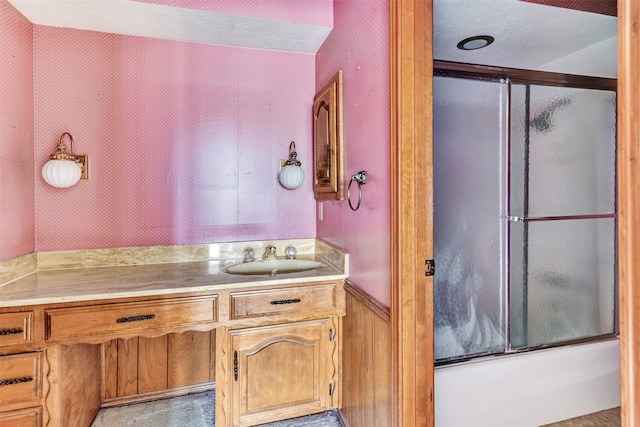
(193, 410)
(608, 418)
(197, 410)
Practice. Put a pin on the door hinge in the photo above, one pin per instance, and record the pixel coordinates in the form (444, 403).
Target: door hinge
(235, 365)
(429, 267)
(331, 389)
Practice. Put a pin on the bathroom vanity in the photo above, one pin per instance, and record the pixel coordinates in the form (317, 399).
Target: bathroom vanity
(277, 337)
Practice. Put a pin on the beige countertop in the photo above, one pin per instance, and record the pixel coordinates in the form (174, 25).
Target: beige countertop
(125, 281)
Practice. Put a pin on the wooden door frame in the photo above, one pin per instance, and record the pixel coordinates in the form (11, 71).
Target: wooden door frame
(411, 62)
(411, 72)
(629, 207)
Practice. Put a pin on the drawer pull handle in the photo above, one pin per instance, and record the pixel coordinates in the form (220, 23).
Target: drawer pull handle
(286, 301)
(15, 381)
(11, 331)
(136, 318)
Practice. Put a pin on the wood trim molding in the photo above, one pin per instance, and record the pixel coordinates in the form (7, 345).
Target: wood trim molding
(629, 207)
(373, 305)
(411, 61)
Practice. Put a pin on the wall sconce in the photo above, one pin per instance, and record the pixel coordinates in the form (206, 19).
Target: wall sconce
(63, 169)
(291, 174)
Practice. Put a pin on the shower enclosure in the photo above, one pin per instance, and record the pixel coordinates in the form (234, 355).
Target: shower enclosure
(524, 215)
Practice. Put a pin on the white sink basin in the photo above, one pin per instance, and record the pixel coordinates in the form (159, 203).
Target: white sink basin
(273, 266)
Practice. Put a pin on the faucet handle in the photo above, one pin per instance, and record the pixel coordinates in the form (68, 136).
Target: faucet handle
(270, 252)
(249, 255)
(290, 252)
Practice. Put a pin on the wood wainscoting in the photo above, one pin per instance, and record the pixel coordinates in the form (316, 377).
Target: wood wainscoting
(141, 368)
(366, 361)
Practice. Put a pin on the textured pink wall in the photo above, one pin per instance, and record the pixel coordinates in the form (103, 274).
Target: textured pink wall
(359, 45)
(17, 229)
(183, 140)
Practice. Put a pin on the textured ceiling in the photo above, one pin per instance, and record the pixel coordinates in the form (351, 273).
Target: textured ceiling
(300, 26)
(312, 12)
(527, 36)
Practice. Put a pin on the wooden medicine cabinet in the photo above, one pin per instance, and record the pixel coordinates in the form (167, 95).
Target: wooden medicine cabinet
(328, 167)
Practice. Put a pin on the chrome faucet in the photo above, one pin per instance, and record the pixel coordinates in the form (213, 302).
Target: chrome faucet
(269, 253)
(249, 255)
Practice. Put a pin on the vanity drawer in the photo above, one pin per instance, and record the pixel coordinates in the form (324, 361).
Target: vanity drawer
(15, 328)
(127, 319)
(30, 417)
(302, 299)
(20, 379)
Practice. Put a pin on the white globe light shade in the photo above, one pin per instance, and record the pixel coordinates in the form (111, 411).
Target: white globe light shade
(291, 176)
(61, 173)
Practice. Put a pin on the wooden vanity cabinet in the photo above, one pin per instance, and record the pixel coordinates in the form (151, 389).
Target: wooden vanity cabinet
(276, 355)
(279, 355)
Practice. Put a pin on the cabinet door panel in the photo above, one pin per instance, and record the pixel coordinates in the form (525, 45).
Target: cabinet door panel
(31, 417)
(281, 372)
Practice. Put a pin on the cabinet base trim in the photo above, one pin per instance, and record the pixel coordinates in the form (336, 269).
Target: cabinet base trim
(342, 418)
(158, 394)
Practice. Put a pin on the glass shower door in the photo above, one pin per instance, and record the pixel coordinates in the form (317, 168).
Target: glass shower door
(524, 216)
(470, 134)
(563, 214)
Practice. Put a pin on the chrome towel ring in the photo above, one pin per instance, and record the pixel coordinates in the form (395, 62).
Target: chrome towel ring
(361, 179)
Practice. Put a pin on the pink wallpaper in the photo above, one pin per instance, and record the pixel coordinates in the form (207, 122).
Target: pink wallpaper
(17, 229)
(184, 140)
(359, 45)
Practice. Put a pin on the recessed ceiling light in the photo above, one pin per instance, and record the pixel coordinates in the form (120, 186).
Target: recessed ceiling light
(475, 42)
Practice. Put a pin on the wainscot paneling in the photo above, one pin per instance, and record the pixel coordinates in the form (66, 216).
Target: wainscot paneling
(146, 368)
(366, 362)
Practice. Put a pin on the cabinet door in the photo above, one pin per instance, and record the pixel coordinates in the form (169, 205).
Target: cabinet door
(279, 372)
(31, 417)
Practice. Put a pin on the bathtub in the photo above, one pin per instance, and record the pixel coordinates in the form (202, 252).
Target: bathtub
(529, 389)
